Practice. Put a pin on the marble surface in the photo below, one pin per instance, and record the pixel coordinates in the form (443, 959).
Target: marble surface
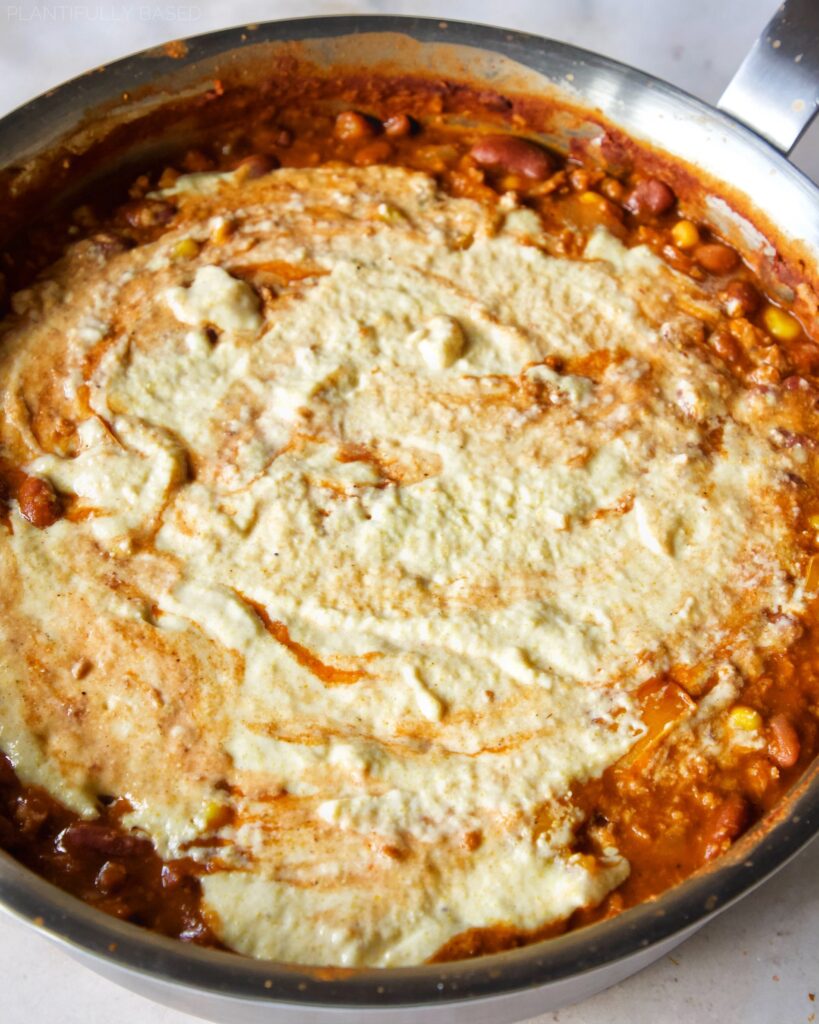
(759, 961)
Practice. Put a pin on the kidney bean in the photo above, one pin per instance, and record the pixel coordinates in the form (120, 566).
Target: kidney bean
(111, 876)
(399, 126)
(716, 258)
(173, 875)
(91, 835)
(353, 127)
(725, 824)
(38, 502)
(512, 155)
(650, 198)
(783, 742)
(30, 814)
(256, 166)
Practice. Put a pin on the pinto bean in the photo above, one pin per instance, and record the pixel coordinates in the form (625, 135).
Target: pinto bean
(804, 355)
(108, 243)
(38, 502)
(739, 298)
(783, 742)
(579, 179)
(612, 189)
(195, 160)
(256, 166)
(512, 155)
(148, 213)
(650, 198)
(716, 258)
(759, 776)
(373, 153)
(399, 126)
(725, 345)
(353, 127)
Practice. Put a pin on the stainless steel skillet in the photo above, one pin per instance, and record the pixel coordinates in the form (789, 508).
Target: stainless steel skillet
(774, 93)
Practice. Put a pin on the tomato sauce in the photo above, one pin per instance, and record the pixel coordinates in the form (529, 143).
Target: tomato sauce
(667, 828)
(101, 862)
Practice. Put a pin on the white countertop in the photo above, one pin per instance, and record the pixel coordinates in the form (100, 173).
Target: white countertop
(759, 961)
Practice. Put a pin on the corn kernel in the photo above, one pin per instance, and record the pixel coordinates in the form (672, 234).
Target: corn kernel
(813, 522)
(585, 861)
(513, 183)
(812, 575)
(592, 199)
(685, 235)
(781, 325)
(221, 230)
(597, 202)
(389, 214)
(185, 249)
(745, 718)
(216, 815)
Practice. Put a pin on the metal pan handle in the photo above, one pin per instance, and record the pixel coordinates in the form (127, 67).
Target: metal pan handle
(775, 92)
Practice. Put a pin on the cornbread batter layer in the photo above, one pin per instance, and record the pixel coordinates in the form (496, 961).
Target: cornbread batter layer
(390, 542)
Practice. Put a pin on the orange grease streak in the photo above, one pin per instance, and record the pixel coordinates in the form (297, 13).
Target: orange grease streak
(328, 674)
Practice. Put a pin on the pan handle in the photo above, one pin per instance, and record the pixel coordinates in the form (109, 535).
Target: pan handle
(775, 92)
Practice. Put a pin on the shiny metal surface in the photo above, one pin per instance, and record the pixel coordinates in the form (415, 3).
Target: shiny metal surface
(776, 89)
(511, 985)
